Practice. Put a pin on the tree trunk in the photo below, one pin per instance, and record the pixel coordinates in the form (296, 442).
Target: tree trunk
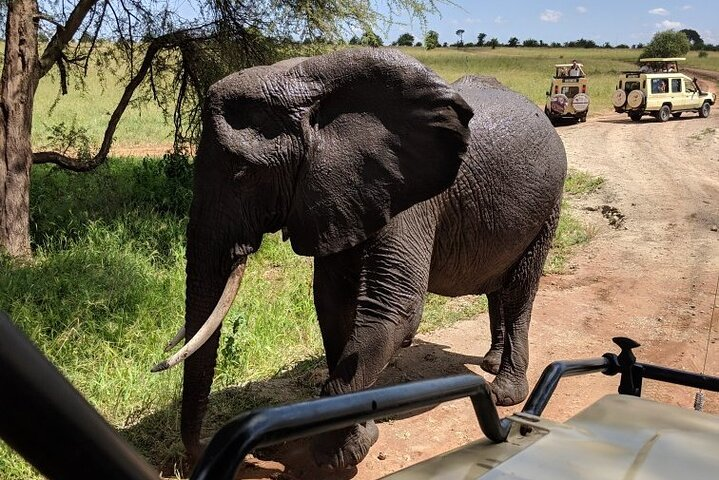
(18, 83)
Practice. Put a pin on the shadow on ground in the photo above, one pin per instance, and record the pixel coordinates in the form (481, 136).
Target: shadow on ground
(156, 436)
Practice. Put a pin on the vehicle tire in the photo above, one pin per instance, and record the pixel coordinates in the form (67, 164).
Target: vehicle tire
(704, 111)
(619, 98)
(583, 118)
(635, 99)
(635, 116)
(580, 102)
(676, 114)
(664, 113)
(558, 104)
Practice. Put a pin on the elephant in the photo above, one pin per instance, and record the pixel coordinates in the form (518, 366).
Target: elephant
(397, 184)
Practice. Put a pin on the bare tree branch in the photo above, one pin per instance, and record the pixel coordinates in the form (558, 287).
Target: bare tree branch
(170, 40)
(63, 35)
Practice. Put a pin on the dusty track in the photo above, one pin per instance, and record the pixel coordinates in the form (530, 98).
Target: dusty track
(653, 279)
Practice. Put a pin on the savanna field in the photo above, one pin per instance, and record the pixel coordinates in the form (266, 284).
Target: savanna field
(105, 288)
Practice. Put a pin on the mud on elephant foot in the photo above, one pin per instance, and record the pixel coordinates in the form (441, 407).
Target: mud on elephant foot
(508, 390)
(491, 360)
(344, 448)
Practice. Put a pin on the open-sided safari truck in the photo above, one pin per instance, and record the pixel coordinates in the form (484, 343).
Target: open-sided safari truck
(619, 436)
(568, 94)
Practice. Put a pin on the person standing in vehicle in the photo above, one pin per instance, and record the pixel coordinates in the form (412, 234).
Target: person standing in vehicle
(574, 70)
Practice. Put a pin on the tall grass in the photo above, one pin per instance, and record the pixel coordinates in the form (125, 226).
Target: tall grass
(526, 70)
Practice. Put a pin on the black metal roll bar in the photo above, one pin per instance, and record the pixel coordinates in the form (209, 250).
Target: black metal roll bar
(267, 426)
(49, 423)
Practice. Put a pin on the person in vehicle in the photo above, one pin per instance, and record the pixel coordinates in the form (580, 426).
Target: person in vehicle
(574, 70)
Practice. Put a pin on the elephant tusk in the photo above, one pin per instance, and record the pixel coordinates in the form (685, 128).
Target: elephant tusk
(176, 339)
(211, 324)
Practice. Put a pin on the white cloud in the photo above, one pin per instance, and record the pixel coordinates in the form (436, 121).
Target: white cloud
(551, 16)
(687, 7)
(498, 20)
(582, 9)
(709, 37)
(659, 11)
(669, 25)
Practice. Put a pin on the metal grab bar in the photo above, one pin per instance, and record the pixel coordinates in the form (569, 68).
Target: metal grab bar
(267, 426)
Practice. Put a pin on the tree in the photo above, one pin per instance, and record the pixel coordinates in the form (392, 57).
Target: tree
(405, 40)
(530, 42)
(431, 40)
(494, 43)
(459, 33)
(149, 36)
(370, 39)
(694, 38)
(480, 39)
(667, 44)
(513, 42)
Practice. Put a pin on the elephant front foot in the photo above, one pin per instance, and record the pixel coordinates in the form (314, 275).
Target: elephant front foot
(509, 390)
(490, 362)
(345, 448)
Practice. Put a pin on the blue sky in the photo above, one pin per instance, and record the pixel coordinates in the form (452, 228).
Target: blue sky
(613, 21)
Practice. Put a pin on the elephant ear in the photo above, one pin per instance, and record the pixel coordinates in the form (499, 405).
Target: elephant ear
(381, 134)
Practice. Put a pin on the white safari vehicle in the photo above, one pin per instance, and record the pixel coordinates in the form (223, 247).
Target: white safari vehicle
(568, 95)
(660, 90)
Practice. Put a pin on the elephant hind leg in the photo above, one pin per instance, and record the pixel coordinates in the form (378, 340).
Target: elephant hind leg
(516, 297)
(492, 359)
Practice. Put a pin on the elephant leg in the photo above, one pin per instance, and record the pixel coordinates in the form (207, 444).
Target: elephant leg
(335, 286)
(492, 359)
(510, 386)
(390, 299)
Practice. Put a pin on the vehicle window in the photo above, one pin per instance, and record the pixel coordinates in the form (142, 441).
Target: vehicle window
(676, 85)
(659, 85)
(570, 91)
(629, 86)
(690, 88)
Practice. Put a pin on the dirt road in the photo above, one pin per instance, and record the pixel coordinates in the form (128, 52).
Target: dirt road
(653, 279)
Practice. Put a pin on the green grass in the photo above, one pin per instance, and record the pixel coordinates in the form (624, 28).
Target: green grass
(89, 106)
(571, 233)
(581, 183)
(526, 70)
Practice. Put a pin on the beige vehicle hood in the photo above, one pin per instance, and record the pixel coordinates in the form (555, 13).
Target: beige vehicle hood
(618, 437)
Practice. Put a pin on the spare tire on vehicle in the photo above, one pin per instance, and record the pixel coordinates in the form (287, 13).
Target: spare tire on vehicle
(580, 102)
(619, 98)
(558, 103)
(635, 99)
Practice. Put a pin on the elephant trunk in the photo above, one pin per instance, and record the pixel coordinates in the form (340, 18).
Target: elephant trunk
(206, 305)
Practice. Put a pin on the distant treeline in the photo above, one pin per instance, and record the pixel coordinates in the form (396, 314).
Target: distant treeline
(431, 40)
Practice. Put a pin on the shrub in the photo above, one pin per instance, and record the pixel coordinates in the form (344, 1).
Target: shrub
(667, 44)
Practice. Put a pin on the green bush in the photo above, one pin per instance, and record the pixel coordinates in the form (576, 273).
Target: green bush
(667, 44)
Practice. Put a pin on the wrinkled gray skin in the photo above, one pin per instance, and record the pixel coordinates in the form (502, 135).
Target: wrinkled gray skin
(371, 164)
